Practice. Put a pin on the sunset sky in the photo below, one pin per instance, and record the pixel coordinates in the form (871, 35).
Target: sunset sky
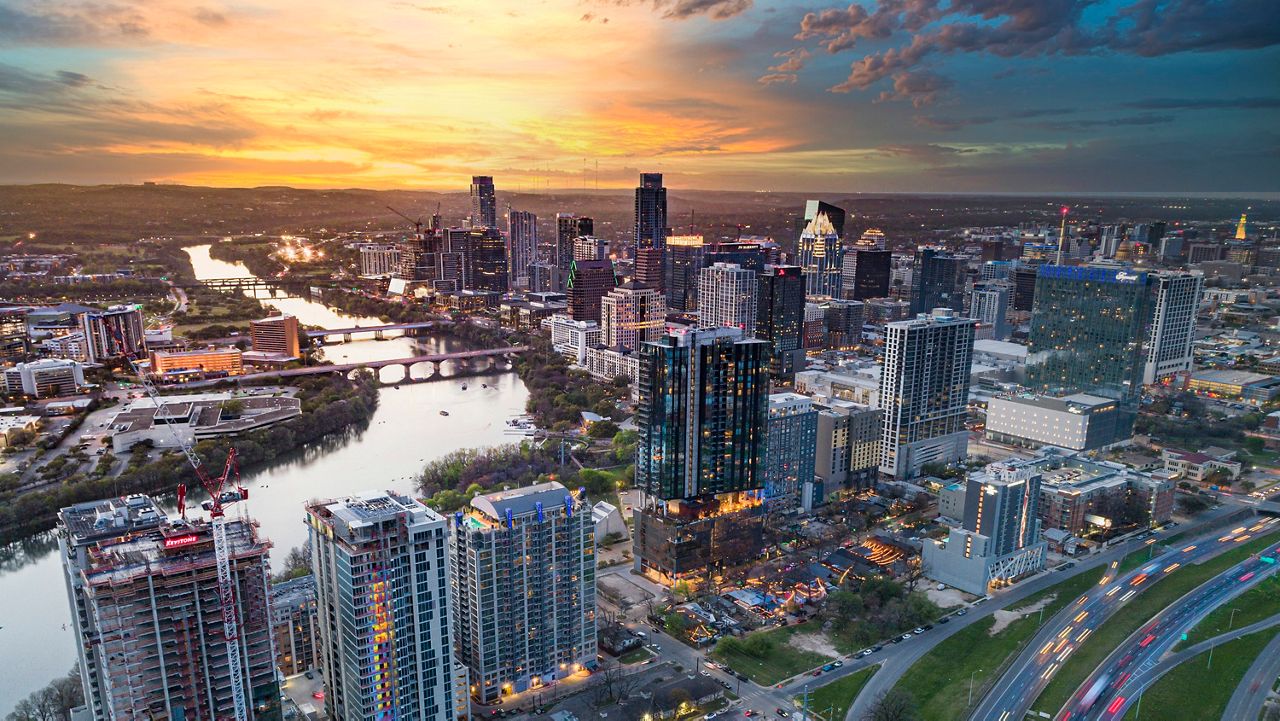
(894, 95)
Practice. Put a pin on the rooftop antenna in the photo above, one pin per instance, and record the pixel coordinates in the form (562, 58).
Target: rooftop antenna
(1062, 234)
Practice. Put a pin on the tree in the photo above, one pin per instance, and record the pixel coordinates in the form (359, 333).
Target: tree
(1191, 505)
(53, 702)
(893, 705)
(603, 429)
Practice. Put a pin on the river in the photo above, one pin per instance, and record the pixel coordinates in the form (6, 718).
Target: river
(407, 430)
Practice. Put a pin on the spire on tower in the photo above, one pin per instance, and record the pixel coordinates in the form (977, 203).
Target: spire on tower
(1240, 228)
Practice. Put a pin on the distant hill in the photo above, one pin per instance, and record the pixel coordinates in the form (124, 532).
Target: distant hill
(123, 213)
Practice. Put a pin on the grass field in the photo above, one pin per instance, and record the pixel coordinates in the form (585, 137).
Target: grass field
(1251, 606)
(780, 661)
(838, 695)
(940, 680)
(1130, 617)
(1196, 690)
(635, 655)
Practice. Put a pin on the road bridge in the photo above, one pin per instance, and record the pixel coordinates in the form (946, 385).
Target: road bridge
(378, 331)
(495, 356)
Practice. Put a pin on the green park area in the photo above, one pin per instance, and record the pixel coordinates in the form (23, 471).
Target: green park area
(940, 681)
(1131, 617)
(1199, 689)
(768, 657)
(832, 701)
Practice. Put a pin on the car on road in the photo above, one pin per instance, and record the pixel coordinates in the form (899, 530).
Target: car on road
(828, 667)
(918, 630)
(837, 663)
(817, 672)
(962, 612)
(945, 619)
(864, 653)
(726, 684)
(782, 712)
(705, 672)
(740, 676)
(877, 648)
(897, 639)
(905, 637)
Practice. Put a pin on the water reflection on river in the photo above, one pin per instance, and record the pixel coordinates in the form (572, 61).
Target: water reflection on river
(406, 431)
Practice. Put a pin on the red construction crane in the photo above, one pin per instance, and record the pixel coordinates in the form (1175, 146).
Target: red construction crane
(214, 486)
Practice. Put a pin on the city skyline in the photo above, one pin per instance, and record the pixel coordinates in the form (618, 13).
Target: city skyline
(898, 97)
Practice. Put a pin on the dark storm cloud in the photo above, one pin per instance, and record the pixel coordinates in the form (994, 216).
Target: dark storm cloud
(86, 23)
(1032, 28)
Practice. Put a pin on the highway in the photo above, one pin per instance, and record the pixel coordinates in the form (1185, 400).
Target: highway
(1013, 695)
(1117, 682)
(1247, 701)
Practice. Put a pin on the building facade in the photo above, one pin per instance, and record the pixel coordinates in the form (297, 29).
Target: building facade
(989, 305)
(484, 202)
(379, 260)
(522, 246)
(1077, 422)
(780, 318)
(682, 259)
(924, 391)
(276, 335)
(293, 622)
(589, 282)
(791, 438)
(523, 574)
(651, 228)
(937, 281)
(727, 297)
(208, 361)
(147, 615)
(702, 409)
(114, 333)
(821, 256)
(384, 608)
(45, 378)
(1173, 324)
(631, 314)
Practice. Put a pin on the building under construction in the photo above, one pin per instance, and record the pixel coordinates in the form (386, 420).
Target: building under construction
(148, 617)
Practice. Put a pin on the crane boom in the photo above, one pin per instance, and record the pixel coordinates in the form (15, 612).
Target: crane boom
(417, 224)
(217, 522)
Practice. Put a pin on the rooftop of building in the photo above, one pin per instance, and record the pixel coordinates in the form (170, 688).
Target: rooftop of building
(273, 318)
(197, 352)
(294, 592)
(94, 520)
(1230, 376)
(370, 507)
(1000, 348)
(494, 507)
(207, 415)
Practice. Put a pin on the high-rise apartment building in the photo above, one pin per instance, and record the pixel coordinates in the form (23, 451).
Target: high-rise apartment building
(780, 318)
(703, 399)
(379, 260)
(648, 269)
(1024, 286)
(651, 228)
(589, 247)
(847, 454)
(484, 203)
(865, 273)
(1173, 324)
(631, 314)
(791, 438)
(937, 281)
(727, 297)
(44, 378)
(385, 608)
(147, 614)
(924, 390)
(871, 239)
(277, 335)
(524, 588)
(113, 333)
(522, 245)
(844, 320)
(569, 227)
(989, 305)
(682, 259)
(589, 282)
(999, 541)
(821, 256)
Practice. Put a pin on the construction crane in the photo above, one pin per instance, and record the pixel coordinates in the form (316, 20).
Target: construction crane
(417, 224)
(215, 486)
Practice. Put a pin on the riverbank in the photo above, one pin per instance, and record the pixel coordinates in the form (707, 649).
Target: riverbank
(331, 405)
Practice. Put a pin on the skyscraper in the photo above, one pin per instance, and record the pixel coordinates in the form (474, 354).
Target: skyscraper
(522, 246)
(865, 273)
(821, 256)
(113, 333)
(924, 390)
(485, 265)
(1089, 330)
(780, 318)
(814, 208)
(524, 584)
(937, 281)
(844, 320)
(682, 259)
(989, 305)
(589, 247)
(484, 204)
(1173, 324)
(1024, 287)
(569, 228)
(382, 592)
(701, 415)
(589, 282)
(631, 314)
(727, 297)
(147, 615)
(651, 212)
(648, 269)
(791, 438)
